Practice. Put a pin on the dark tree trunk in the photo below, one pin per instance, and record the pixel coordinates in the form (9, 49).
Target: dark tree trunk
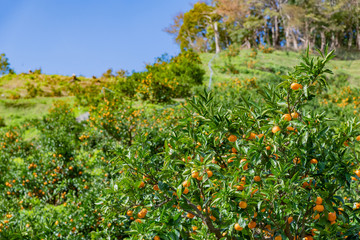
(276, 37)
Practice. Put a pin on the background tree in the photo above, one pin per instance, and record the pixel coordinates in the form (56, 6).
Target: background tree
(4, 64)
(279, 23)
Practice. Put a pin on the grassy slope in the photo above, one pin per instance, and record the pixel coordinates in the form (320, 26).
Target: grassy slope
(15, 111)
(277, 60)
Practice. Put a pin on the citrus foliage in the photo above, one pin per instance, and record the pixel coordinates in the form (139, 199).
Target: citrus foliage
(237, 166)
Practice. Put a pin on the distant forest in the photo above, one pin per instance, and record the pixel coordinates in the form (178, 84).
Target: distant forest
(213, 26)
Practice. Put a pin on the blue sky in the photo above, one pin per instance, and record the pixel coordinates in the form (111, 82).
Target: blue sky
(86, 37)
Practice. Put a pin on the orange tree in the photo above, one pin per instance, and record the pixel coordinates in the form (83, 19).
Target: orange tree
(265, 169)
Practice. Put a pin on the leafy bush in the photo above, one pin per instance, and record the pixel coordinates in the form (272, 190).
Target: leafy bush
(259, 170)
(164, 80)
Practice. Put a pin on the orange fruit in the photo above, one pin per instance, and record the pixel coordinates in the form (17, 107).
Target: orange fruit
(186, 191)
(296, 160)
(156, 187)
(316, 217)
(318, 201)
(238, 227)
(232, 138)
(278, 237)
(243, 204)
(240, 187)
(261, 135)
(313, 161)
(268, 148)
(286, 117)
(189, 215)
(252, 224)
(129, 213)
(319, 208)
(294, 115)
(357, 172)
(332, 216)
(209, 173)
(252, 136)
(290, 219)
(275, 129)
(194, 174)
(290, 128)
(142, 184)
(295, 86)
(212, 218)
(358, 138)
(138, 220)
(156, 238)
(194, 228)
(257, 179)
(186, 183)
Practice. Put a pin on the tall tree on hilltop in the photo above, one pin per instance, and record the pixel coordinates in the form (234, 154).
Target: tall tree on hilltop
(193, 30)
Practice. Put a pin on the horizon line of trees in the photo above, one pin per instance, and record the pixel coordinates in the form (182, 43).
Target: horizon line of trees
(213, 26)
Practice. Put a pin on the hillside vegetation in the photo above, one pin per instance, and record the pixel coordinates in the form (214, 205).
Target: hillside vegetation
(270, 153)
(36, 92)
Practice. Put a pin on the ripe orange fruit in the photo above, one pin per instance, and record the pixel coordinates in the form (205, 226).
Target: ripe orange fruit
(319, 208)
(252, 225)
(295, 86)
(268, 148)
(316, 217)
(186, 183)
(194, 174)
(142, 184)
(212, 218)
(296, 160)
(141, 215)
(189, 215)
(358, 138)
(156, 187)
(313, 161)
(257, 179)
(238, 227)
(286, 117)
(332, 216)
(243, 204)
(278, 237)
(194, 228)
(138, 220)
(129, 213)
(209, 173)
(290, 219)
(294, 115)
(232, 138)
(357, 172)
(240, 187)
(318, 201)
(276, 129)
(156, 238)
(252, 136)
(290, 128)
(186, 191)
(309, 238)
